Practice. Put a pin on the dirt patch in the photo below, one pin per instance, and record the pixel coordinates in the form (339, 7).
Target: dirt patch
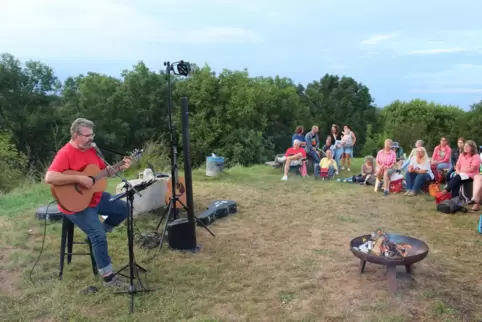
(9, 279)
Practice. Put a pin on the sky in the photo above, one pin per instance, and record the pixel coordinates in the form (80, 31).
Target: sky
(400, 49)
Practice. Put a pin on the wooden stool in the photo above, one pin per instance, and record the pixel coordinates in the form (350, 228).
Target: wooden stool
(67, 240)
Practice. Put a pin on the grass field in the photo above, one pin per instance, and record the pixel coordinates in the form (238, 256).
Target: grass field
(284, 257)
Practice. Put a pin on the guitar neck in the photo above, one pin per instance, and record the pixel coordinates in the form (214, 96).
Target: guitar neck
(105, 172)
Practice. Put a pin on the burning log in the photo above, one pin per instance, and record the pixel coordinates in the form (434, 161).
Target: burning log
(380, 245)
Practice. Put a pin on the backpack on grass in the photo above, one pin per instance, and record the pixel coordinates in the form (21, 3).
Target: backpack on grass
(451, 206)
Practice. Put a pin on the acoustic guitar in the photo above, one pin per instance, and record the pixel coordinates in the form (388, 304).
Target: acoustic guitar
(180, 192)
(74, 197)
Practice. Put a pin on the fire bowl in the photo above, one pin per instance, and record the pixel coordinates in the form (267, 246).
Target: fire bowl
(417, 252)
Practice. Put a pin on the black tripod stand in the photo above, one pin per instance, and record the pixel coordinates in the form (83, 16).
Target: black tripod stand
(134, 268)
(172, 212)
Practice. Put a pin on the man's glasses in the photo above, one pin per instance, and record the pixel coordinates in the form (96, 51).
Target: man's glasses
(87, 135)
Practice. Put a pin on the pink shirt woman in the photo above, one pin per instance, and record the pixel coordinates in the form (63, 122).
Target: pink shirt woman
(467, 167)
(441, 155)
(385, 160)
(468, 164)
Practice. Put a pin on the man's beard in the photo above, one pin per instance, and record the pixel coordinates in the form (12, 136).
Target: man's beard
(87, 145)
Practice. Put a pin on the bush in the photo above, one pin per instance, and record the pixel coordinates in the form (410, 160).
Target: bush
(13, 164)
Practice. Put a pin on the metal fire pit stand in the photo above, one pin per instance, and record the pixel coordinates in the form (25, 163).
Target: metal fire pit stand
(418, 252)
(391, 274)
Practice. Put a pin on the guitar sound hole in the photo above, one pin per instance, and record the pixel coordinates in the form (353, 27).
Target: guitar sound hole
(180, 187)
(77, 188)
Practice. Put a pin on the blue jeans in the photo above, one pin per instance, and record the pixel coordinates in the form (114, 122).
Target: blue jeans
(312, 154)
(331, 170)
(88, 221)
(442, 166)
(414, 181)
(348, 150)
(337, 152)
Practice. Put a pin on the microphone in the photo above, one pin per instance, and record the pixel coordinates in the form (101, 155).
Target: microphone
(97, 150)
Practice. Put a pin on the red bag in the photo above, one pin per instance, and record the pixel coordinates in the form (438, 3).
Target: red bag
(396, 186)
(436, 174)
(439, 197)
(324, 172)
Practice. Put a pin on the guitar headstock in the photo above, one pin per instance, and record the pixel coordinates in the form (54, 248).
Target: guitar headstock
(136, 154)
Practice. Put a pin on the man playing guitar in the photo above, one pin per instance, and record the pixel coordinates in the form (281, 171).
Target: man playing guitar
(76, 155)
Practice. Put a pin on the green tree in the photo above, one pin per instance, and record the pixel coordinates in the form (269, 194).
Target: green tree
(13, 164)
(28, 106)
(406, 122)
(342, 101)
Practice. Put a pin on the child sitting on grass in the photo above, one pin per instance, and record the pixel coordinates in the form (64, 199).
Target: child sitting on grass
(367, 171)
(327, 166)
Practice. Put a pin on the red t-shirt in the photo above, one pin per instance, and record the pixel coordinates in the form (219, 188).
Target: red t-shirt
(70, 158)
(293, 151)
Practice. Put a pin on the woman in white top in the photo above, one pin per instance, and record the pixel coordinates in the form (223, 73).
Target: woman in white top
(406, 163)
(419, 172)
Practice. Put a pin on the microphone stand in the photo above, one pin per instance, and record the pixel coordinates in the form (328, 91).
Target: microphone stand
(112, 151)
(134, 268)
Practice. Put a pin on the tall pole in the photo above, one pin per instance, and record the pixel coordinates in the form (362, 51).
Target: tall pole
(187, 166)
(174, 171)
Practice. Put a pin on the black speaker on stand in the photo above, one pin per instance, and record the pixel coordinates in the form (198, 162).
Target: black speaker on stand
(181, 232)
(179, 235)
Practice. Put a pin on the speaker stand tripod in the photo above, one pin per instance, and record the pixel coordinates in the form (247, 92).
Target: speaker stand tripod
(171, 209)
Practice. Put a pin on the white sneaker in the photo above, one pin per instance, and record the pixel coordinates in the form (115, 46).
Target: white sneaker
(348, 170)
(281, 160)
(284, 178)
(342, 168)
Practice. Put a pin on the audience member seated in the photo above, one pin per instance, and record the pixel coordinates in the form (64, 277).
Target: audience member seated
(476, 193)
(441, 156)
(347, 142)
(454, 157)
(405, 163)
(312, 145)
(299, 136)
(367, 171)
(327, 167)
(386, 159)
(467, 167)
(293, 157)
(419, 171)
(398, 151)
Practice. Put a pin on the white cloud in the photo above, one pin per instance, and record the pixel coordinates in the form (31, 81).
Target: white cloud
(450, 90)
(337, 66)
(457, 75)
(427, 42)
(458, 79)
(376, 39)
(213, 35)
(436, 51)
(98, 29)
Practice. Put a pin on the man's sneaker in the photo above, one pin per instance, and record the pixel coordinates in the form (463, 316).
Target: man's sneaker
(115, 282)
(284, 178)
